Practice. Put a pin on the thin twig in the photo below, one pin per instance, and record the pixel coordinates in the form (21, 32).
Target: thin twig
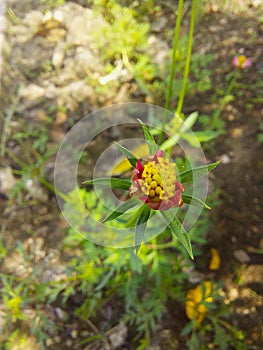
(97, 331)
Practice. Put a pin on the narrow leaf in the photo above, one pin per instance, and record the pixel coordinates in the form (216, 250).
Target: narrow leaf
(149, 138)
(187, 124)
(141, 226)
(131, 157)
(124, 165)
(121, 209)
(189, 175)
(110, 182)
(194, 201)
(200, 136)
(178, 230)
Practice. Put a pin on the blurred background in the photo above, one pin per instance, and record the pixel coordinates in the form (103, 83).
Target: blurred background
(61, 60)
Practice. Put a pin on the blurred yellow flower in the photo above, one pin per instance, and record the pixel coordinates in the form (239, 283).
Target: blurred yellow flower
(215, 260)
(196, 299)
(241, 62)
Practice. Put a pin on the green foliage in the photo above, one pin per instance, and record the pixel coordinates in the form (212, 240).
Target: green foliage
(122, 33)
(260, 134)
(120, 272)
(50, 4)
(216, 330)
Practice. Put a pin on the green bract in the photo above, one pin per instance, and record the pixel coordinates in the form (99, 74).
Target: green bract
(154, 185)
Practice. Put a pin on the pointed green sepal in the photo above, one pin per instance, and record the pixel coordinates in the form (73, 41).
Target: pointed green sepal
(178, 230)
(130, 203)
(131, 157)
(189, 175)
(149, 139)
(187, 199)
(110, 182)
(141, 226)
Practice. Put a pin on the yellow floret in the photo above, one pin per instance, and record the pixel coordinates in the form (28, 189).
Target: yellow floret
(152, 193)
(159, 179)
(158, 190)
(153, 184)
(148, 180)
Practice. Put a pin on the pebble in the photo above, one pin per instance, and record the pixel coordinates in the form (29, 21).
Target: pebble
(225, 159)
(159, 24)
(7, 181)
(35, 190)
(58, 55)
(32, 92)
(241, 256)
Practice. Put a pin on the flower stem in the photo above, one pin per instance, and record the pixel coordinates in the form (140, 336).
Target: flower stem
(175, 49)
(188, 59)
(172, 69)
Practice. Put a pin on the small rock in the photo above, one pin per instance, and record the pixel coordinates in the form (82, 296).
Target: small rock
(32, 92)
(79, 90)
(59, 312)
(51, 91)
(58, 55)
(225, 159)
(7, 181)
(81, 23)
(159, 24)
(241, 256)
(74, 333)
(84, 62)
(158, 50)
(33, 20)
(49, 342)
(118, 338)
(35, 190)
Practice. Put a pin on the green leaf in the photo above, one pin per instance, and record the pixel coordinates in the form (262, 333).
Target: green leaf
(190, 121)
(200, 136)
(121, 209)
(194, 201)
(135, 262)
(189, 175)
(105, 279)
(187, 124)
(110, 182)
(141, 226)
(178, 230)
(131, 157)
(149, 138)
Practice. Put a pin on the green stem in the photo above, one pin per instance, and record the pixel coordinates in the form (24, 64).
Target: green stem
(52, 188)
(232, 83)
(175, 49)
(172, 70)
(188, 59)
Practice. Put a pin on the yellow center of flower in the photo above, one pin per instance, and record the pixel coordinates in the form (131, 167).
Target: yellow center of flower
(158, 180)
(241, 60)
